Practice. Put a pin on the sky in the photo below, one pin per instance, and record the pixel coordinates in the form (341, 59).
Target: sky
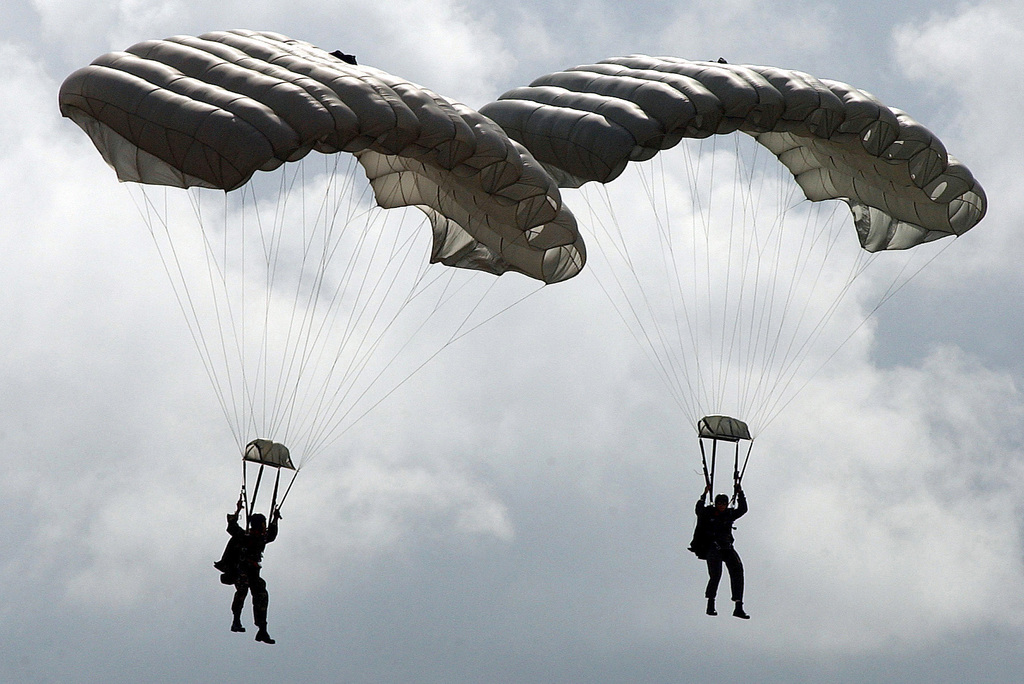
(519, 509)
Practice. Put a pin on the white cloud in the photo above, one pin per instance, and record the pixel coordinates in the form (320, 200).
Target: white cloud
(135, 533)
(972, 53)
(449, 46)
(959, 47)
(346, 513)
(894, 512)
(748, 32)
(445, 44)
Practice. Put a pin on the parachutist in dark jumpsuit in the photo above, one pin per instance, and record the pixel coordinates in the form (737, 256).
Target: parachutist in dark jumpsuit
(241, 567)
(713, 542)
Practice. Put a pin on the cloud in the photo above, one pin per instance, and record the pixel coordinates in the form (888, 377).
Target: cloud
(963, 48)
(964, 53)
(357, 508)
(449, 46)
(747, 32)
(903, 524)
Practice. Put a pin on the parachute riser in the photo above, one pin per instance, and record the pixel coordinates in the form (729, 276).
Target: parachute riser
(742, 471)
(280, 505)
(708, 475)
(249, 502)
(737, 470)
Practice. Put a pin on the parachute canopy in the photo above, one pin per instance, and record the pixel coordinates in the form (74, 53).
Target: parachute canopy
(212, 110)
(722, 428)
(266, 452)
(587, 123)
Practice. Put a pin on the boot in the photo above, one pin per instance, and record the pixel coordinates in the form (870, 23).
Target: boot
(711, 607)
(236, 625)
(739, 611)
(262, 635)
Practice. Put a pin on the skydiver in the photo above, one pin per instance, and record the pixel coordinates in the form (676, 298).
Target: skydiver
(240, 564)
(713, 542)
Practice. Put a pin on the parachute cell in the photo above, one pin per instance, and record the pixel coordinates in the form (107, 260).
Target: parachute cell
(212, 110)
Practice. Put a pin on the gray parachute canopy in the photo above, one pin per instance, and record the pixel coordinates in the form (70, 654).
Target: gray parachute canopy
(723, 428)
(587, 123)
(212, 110)
(267, 452)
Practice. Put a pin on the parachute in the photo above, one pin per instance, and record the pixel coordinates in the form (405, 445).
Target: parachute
(210, 111)
(741, 301)
(292, 282)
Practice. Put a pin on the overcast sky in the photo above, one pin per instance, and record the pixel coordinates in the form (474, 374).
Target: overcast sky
(519, 510)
